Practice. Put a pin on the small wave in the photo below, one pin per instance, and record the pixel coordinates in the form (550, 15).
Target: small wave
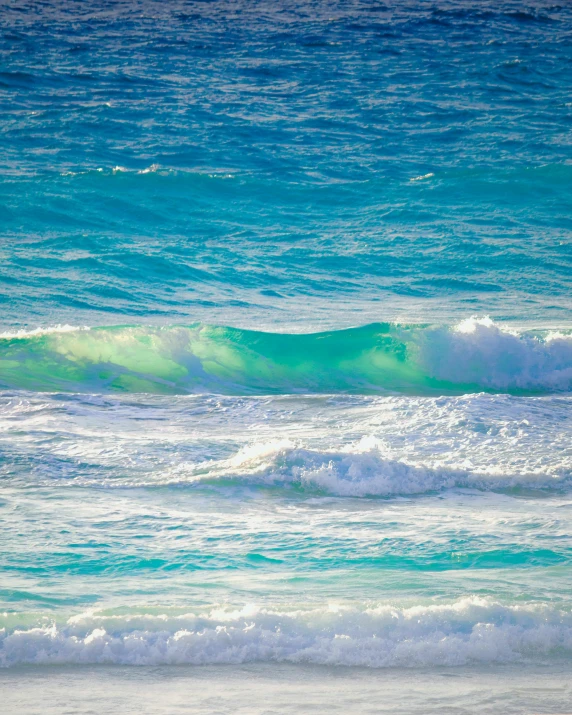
(362, 469)
(359, 470)
(475, 355)
(423, 177)
(150, 169)
(471, 630)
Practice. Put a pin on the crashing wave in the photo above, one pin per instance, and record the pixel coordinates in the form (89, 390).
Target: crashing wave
(358, 470)
(471, 630)
(474, 356)
(361, 469)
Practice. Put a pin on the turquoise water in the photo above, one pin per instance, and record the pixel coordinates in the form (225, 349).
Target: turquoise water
(475, 355)
(286, 341)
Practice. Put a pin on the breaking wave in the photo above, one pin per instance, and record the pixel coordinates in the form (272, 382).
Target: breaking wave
(471, 630)
(361, 469)
(475, 355)
(364, 470)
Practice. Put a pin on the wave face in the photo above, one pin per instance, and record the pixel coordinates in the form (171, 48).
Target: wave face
(475, 355)
(471, 630)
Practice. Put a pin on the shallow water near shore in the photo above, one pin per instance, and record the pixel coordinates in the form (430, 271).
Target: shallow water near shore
(264, 689)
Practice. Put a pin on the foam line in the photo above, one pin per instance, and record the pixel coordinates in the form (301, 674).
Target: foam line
(471, 630)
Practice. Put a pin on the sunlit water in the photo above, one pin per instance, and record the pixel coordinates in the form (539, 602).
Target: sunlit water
(286, 356)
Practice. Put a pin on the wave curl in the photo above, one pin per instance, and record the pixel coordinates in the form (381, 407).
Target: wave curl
(473, 356)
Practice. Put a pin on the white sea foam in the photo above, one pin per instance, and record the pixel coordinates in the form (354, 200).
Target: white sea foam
(150, 169)
(366, 469)
(377, 636)
(10, 334)
(478, 351)
(422, 177)
(343, 445)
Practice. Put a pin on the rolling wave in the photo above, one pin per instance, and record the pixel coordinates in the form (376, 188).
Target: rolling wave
(471, 630)
(362, 470)
(475, 355)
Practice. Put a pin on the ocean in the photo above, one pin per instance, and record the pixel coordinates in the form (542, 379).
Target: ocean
(285, 356)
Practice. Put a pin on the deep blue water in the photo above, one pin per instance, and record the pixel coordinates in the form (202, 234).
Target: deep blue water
(285, 333)
(295, 163)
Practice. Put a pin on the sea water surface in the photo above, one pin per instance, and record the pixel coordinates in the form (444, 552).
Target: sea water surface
(285, 356)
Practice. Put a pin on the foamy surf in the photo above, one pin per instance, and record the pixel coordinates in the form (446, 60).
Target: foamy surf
(363, 469)
(340, 445)
(470, 630)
